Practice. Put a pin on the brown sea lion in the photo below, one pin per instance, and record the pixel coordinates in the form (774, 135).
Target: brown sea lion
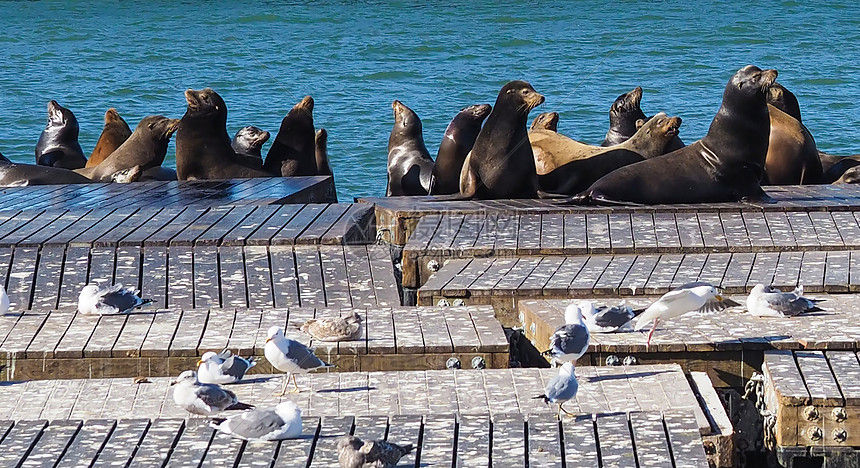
(146, 147)
(726, 165)
(850, 176)
(501, 164)
(203, 148)
(114, 134)
(248, 143)
(321, 152)
(553, 150)
(458, 140)
(623, 115)
(410, 166)
(577, 174)
(158, 173)
(292, 152)
(545, 121)
(58, 144)
(792, 157)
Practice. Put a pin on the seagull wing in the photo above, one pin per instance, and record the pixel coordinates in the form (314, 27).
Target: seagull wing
(258, 424)
(235, 366)
(117, 299)
(215, 397)
(788, 304)
(615, 316)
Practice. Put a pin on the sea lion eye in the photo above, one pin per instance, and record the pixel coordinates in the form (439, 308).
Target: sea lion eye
(525, 92)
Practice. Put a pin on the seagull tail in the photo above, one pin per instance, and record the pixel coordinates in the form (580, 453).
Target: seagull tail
(145, 301)
(215, 423)
(240, 406)
(404, 449)
(252, 361)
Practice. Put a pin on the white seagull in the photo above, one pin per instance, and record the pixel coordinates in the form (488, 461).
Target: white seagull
(4, 301)
(561, 388)
(223, 368)
(261, 425)
(766, 301)
(109, 300)
(290, 356)
(607, 319)
(353, 453)
(676, 303)
(203, 399)
(569, 341)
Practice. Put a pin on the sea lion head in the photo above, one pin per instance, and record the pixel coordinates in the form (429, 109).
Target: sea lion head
(521, 95)
(162, 127)
(112, 116)
(321, 137)
(204, 103)
(851, 176)
(783, 99)
(477, 111)
(659, 129)
(306, 104)
(753, 81)
(546, 121)
(627, 102)
(405, 119)
(59, 116)
(252, 137)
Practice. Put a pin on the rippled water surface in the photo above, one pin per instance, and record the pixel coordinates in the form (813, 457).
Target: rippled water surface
(436, 57)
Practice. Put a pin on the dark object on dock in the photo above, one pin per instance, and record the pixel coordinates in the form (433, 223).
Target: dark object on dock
(58, 144)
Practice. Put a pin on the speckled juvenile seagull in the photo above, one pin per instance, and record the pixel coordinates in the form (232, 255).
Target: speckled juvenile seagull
(334, 328)
(261, 425)
(109, 299)
(353, 453)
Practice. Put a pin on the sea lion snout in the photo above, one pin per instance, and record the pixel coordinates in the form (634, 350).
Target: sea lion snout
(55, 112)
(191, 97)
(307, 104)
(768, 78)
(172, 127)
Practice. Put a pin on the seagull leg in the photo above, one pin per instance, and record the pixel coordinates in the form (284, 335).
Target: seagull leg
(286, 381)
(558, 414)
(565, 411)
(295, 384)
(653, 327)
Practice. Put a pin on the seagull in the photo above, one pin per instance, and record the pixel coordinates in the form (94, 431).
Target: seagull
(290, 356)
(4, 301)
(766, 301)
(353, 453)
(202, 398)
(676, 303)
(712, 304)
(223, 367)
(334, 329)
(109, 300)
(607, 319)
(261, 425)
(561, 388)
(569, 341)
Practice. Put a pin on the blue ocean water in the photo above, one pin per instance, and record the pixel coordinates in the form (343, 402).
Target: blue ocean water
(355, 57)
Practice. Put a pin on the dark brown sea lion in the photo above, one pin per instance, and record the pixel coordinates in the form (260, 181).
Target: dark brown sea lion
(292, 152)
(850, 176)
(203, 148)
(248, 143)
(574, 175)
(4, 158)
(58, 144)
(146, 147)
(501, 164)
(114, 134)
(321, 152)
(159, 173)
(545, 121)
(623, 115)
(726, 165)
(553, 150)
(410, 166)
(458, 140)
(22, 175)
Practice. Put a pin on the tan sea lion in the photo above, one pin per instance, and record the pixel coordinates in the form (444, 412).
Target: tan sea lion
(146, 148)
(545, 121)
(792, 157)
(114, 134)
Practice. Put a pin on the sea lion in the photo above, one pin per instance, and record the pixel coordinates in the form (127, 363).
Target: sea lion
(623, 115)
(726, 165)
(456, 143)
(574, 175)
(501, 164)
(292, 152)
(114, 134)
(58, 144)
(321, 152)
(410, 166)
(23, 175)
(653, 138)
(850, 176)
(248, 143)
(792, 157)
(545, 121)
(203, 148)
(4, 158)
(146, 147)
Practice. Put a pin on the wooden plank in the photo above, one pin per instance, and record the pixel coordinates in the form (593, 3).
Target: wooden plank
(434, 330)
(780, 230)
(785, 378)
(713, 235)
(160, 335)
(644, 233)
(213, 235)
(104, 336)
(837, 272)
(199, 226)
(151, 227)
(382, 271)
(331, 428)
(76, 337)
(297, 452)
(684, 438)
(192, 445)
(180, 277)
(297, 224)
(207, 288)
(361, 289)
(170, 223)
(19, 441)
(580, 445)
(258, 275)
(21, 277)
(109, 231)
(616, 444)
(309, 269)
(508, 445)
(231, 265)
(186, 340)
(224, 450)
(637, 276)
(157, 443)
(552, 234)
(380, 331)
(153, 281)
(812, 271)
(37, 238)
(123, 442)
(408, 335)
(285, 281)
(52, 331)
(101, 266)
(263, 235)
(847, 372)
(242, 231)
(544, 441)
(130, 340)
(597, 233)
(819, 379)
(217, 332)
(756, 225)
(649, 437)
(87, 443)
(334, 275)
(529, 235)
(316, 230)
(666, 228)
(75, 269)
(52, 443)
(403, 430)
(356, 226)
(473, 441)
(439, 440)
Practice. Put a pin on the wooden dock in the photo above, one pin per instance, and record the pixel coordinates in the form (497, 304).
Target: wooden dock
(66, 345)
(503, 282)
(813, 398)
(200, 193)
(651, 439)
(398, 217)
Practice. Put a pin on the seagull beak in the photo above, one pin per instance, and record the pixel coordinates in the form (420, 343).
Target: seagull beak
(173, 383)
(199, 362)
(268, 340)
(719, 298)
